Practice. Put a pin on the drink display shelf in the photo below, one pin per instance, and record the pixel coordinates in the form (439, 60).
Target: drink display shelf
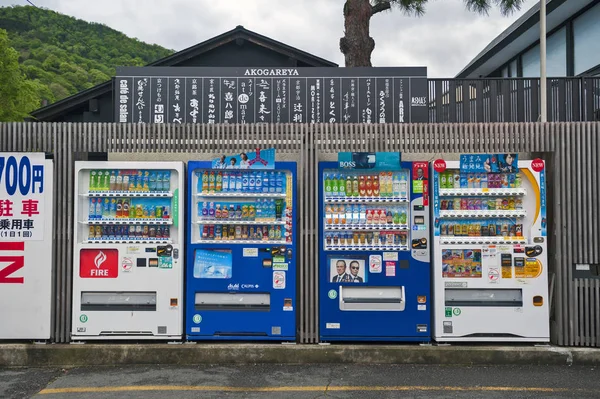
(239, 222)
(367, 226)
(366, 247)
(236, 194)
(482, 192)
(517, 213)
(129, 194)
(482, 240)
(364, 200)
(127, 221)
(265, 242)
(127, 241)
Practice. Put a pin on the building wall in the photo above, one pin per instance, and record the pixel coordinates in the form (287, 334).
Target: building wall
(572, 50)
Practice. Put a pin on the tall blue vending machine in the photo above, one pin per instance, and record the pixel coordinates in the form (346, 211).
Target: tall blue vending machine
(241, 270)
(375, 250)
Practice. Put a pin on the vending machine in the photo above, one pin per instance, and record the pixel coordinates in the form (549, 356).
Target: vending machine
(128, 254)
(490, 249)
(374, 252)
(241, 255)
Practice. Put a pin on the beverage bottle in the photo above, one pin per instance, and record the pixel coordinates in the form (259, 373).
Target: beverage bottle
(92, 209)
(348, 186)
(231, 212)
(396, 217)
(362, 214)
(225, 212)
(336, 215)
(93, 180)
(396, 186)
(204, 182)
(251, 212)
(166, 185)
(259, 210)
(328, 185)
(104, 180)
(362, 186)
(113, 181)
(159, 185)
(389, 217)
(211, 181)
(402, 217)
(382, 185)
(106, 208)
(251, 182)
(225, 182)
(126, 180)
(238, 181)
(443, 180)
(211, 211)
(132, 180)
(376, 192)
(349, 214)
(245, 182)
(218, 212)
(112, 213)
(272, 183)
(265, 182)
(369, 186)
(334, 186)
(219, 184)
(258, 181)
(125, 211)
(341, 186)
(403, 186)
(245, 212)
(518, 180)
(342, 212)
(355, 185)
(152, 181)
(119, 209)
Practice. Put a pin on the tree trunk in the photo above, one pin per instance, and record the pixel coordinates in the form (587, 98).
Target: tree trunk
(357, 45)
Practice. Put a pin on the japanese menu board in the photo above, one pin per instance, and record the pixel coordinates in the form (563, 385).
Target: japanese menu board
(270, 95)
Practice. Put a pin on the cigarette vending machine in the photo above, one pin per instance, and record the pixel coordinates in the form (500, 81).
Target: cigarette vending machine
(374, 253)
(128, 254)
(490, 249)
(241, 265)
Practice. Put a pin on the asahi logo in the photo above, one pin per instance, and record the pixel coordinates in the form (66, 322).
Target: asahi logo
(99, 259)
(271, 72)
(419, 102)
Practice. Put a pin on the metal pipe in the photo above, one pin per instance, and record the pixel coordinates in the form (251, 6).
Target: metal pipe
(543, 79)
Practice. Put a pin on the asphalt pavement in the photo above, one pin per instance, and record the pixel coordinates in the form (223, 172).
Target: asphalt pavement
(302, 381)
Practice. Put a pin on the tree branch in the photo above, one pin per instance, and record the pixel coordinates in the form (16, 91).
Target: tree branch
(380, 7)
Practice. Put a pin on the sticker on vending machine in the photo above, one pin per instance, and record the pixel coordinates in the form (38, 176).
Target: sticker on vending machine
(375, 264)
(390, 269)
(279, 280)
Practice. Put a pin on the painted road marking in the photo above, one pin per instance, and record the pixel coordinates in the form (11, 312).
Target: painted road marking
(404, 388)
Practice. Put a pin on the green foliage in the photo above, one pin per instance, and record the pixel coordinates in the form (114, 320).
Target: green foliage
(63, 55)
(18, 95)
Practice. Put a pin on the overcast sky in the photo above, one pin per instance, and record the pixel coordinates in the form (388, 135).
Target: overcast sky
(444, 40)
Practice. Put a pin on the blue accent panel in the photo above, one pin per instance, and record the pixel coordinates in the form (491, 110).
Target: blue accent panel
(385, 325)
(249, 275)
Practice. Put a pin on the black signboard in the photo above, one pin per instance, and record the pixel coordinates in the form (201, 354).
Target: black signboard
(270, 95)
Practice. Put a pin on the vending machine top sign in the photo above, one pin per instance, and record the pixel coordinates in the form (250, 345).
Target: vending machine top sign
(270, 95)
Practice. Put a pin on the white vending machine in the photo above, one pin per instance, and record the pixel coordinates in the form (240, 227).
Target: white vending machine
(128, 257)
(490, 249)
(26, 237)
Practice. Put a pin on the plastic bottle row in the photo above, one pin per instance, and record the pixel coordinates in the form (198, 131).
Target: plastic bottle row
(119, 232)
(261, 210)
(366, 239)
(256, 232)
(125, 208)
(250, 181)
(493, 228)
(478, 204)
(456, 179)
(384, 184)
(361, 214)
(130, 180)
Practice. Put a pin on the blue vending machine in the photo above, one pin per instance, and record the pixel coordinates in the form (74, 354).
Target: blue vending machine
(241, 265)
(375, 250)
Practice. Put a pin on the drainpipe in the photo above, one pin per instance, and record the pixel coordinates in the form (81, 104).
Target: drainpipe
(543, 78)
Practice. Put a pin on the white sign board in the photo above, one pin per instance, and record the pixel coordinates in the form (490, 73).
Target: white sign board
(25, 245)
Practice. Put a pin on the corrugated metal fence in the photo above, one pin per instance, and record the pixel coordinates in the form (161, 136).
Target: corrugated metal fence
(570, 149)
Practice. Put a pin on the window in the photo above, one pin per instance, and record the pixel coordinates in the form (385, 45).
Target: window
(586, 34)
(556, 57)
(513, 69)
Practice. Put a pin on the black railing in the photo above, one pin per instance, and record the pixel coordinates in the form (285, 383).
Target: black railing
(513, 100)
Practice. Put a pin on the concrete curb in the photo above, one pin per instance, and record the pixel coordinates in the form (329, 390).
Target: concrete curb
(60, 355)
